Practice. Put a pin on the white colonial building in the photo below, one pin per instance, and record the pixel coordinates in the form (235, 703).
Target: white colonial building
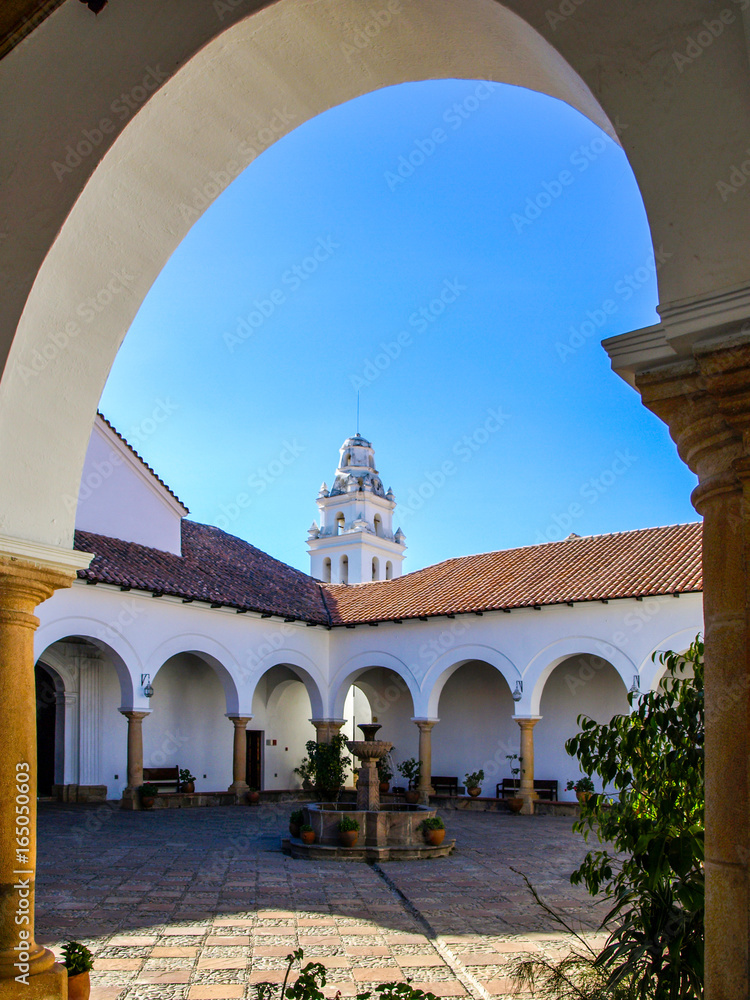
(226, 661)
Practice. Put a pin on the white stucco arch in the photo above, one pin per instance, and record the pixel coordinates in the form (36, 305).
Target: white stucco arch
(303, 666)
(54, 659)
(447, 664)
(216, 655)
(546, 660)
(651, 672)
(357, 665)
(121, 653)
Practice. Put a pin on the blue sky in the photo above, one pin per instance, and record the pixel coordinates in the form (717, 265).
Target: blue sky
(455, 251)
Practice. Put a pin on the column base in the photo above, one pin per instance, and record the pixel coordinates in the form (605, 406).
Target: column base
(49, 985)
(130, 799)
(239, 790)
(529, 798)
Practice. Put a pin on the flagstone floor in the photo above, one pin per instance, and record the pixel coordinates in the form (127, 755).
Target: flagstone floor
(201, 903)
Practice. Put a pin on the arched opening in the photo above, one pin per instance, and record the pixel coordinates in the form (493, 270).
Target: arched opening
(389, 570)
(326, 570)
(49, 729)
(379, 694)
(188, 726)
(279, 729)
(375, 568)
(340, 523)
(344, 570)
(580, 685)
(378, 525)
(476, 728)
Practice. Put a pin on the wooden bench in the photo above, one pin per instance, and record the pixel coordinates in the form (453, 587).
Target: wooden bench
(447, 785)
(167, 776)
(545, 787)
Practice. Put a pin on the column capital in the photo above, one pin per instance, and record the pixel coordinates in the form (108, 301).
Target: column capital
(239, 720)
(526, 720)
(134, 715)
(425, 723)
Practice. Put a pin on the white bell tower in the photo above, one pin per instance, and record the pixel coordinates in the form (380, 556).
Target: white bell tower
(355, 542)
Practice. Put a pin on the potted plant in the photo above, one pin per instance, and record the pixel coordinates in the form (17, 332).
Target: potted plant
(304, 773)
(348, 831)
(295, 822)
(514, 763)
(583, 788)
(329, 763)
(411, 770)
(149, 791)
(253, 796)
(474, 782)
(78, 960)
(433, 829)
(307, 834)
(187, 781)
(385, 773)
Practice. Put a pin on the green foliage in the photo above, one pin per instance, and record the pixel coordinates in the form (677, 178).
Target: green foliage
(149, 790)
(385, 770)
(304, 772)
(348, 823)
(305, 828)
(515, 769)
(474, 779)
(328, 765)
(296, 817)
(77, 958)
(312, 978)
(653, 870)
(584, 784)
(411, 769)
(432, 823)
(186, 776)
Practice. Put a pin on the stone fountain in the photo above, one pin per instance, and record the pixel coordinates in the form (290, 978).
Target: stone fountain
(387, 832)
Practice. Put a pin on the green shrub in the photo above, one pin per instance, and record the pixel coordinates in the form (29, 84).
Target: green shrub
(474, 779)
(328, 765)
(411, 769)
(149, 790)
(305, 828)
(348, 823)
(296, 817)
(432, 823)
(77, 958)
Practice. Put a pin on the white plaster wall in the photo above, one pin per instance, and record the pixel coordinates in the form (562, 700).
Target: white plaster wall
(566, 696)
(391, 705)
(113, 730)
(476, 728)
(281, 709)
(187, 725)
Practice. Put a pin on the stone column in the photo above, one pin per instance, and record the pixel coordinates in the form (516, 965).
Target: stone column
(239, 756)
(24, 583)
(706, 404)
(130, 794)
(326, 729)
(526, 790)
(425, 788)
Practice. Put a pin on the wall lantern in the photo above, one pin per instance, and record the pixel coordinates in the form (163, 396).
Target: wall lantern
(635, 688)
(148, 690)
(518, 693)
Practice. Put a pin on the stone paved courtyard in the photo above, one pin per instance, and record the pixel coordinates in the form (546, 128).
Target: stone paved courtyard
(201, 903)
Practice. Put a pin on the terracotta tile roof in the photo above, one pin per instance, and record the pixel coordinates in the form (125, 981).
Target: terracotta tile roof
(141, 459)
(214, 567)
(218, 568)
(639, 563)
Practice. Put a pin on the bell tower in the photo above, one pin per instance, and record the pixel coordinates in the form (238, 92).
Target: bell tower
(355, 542)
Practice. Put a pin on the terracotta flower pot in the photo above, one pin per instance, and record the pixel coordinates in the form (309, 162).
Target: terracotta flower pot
(474, 792)
(253, 798)
(583, 796)
(516, 805)
(384, 786)
(348, 838)
(188, 787)
(307, 836)
(79, 987)
(412, 797)
(147, 802)
(434, 837)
